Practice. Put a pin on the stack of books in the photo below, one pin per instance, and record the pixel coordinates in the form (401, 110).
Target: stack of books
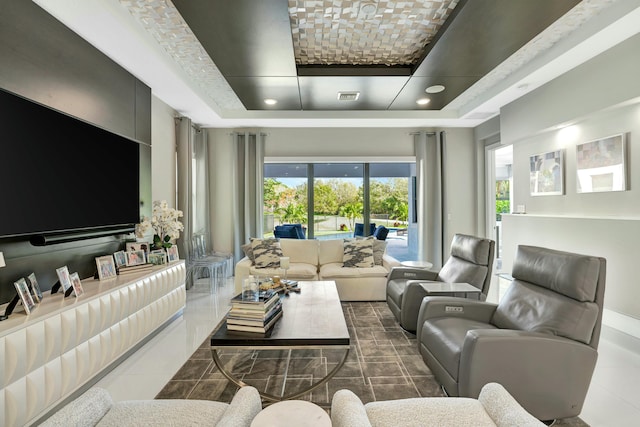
(254, 315)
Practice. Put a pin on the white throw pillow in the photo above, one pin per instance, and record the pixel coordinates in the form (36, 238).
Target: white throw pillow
(357, 253)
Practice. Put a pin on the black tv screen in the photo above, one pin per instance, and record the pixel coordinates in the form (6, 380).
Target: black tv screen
(60, 174)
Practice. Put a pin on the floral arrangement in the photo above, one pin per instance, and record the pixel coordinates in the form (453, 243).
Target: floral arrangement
(165, 223)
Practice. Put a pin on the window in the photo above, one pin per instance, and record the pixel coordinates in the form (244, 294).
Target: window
(342, 195)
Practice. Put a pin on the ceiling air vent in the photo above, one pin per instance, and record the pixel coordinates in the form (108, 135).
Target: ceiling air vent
(348, 96)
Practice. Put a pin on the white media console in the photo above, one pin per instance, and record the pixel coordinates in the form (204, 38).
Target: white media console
(67, 344)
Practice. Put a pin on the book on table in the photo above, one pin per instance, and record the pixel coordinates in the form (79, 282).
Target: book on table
(257, 329)
(234, 318)
(263, 304)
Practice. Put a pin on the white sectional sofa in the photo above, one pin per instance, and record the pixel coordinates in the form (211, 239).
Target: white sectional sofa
(322, 260)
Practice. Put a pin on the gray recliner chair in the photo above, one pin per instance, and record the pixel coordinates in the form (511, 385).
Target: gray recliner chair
(471, 261)
(540, 342)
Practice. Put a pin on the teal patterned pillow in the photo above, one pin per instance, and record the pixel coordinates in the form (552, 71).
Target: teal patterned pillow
(266, 252)
(357, 253)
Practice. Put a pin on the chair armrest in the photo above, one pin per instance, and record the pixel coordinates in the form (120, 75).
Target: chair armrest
(87, 410)
(503, 408)
(347, 410)
(243, 408)
(557, 370)
(410, 273)
(466, 308)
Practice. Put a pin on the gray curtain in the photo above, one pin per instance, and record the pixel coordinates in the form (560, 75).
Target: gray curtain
(247, 189)
(430, 155)
(192, 186)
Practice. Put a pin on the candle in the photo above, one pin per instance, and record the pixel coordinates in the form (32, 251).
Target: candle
(284, 262)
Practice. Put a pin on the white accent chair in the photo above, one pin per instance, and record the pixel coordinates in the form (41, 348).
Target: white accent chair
(96, 408)
(494, 407)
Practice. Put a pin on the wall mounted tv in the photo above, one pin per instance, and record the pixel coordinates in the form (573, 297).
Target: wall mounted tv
(60, 175)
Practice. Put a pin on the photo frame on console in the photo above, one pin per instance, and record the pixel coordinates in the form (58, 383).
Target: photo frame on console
(172, 253)
(63, 277)
(106, 267)
(157, 257)
(35, 287)
(120, 258)
(136, 258)
(76, 283)
(601, 165)
(546, 173)
(25, 296)
(138, 246)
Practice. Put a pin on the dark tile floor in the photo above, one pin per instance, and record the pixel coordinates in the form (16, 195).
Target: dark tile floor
(383, 364)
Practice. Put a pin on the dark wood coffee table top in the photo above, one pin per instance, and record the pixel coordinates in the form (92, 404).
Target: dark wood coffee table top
(313, 317)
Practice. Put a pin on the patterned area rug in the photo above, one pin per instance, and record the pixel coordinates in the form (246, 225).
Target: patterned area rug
(383, 364)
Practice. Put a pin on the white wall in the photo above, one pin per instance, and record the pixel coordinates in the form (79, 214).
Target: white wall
(163, 152)
(598, 99)
(364, 144)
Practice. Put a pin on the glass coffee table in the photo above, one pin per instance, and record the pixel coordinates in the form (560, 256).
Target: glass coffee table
(311, 319)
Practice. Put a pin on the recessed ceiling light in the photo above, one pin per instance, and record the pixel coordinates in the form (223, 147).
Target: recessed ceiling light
(270, 101)
(434, 89)
(423, 101)
(348, 96)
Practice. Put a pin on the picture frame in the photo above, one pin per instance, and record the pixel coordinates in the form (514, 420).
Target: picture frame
(35, 287)
(25, 296)
(157, 257)
(546, 173)
(76, 283)
(138, 246)
(601, 165)
(106, 267)
(172, 253)
(63, 277)
(136, 258)
(120, 259)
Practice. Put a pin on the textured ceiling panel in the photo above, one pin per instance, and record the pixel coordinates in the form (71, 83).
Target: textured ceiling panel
(367, 32)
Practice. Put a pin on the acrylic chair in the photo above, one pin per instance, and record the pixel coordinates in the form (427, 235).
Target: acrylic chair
(202, 263)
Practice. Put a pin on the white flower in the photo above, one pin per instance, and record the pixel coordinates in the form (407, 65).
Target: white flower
(164, 221)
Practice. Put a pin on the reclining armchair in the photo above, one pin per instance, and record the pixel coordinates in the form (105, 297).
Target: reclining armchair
(471, 261)
(540, 341)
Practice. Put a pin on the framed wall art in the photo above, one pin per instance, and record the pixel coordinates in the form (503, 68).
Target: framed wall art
(546, 173)
(601, 165)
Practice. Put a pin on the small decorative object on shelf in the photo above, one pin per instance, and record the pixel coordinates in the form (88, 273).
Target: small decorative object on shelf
(64, 279)
(172, 254)
(165, 224)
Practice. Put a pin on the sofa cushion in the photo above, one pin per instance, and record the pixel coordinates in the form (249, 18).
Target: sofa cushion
(444, 337)
(532, 308)
(266, 252)
(330, 251)
(329, 271)
(298, 270)
(433, 411)
(358, 253)
(163, 412)
(305, 251)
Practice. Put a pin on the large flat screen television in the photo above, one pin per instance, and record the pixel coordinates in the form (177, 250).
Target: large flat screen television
(59, 174)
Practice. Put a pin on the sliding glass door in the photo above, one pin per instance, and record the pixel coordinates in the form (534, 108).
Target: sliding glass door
(343, 196)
